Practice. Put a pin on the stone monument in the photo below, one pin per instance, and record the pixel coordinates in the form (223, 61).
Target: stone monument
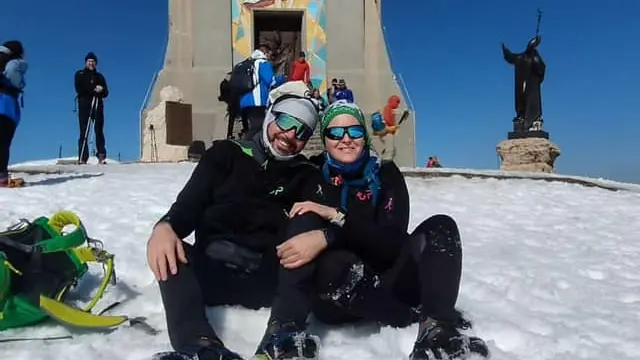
(341, 39)
(527, 147)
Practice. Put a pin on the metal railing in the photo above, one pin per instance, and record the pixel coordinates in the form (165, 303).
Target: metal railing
(403, 88)
(147, 95)
(397, 75)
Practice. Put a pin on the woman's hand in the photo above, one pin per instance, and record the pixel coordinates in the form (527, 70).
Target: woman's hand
(301, 249)
(324, 211)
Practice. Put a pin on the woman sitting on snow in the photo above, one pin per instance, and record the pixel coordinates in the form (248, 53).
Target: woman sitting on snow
(374, 269)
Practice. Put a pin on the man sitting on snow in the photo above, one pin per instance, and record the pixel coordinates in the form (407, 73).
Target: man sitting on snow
(236, 201)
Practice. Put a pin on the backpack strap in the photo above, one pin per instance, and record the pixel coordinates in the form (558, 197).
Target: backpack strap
(72, 242)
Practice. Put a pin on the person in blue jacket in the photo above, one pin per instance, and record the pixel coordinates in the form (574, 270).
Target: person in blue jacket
(12, 81)
(253, 104)
(343, 92)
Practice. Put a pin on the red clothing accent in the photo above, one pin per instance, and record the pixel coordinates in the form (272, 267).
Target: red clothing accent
(300, 71)
(387, 113)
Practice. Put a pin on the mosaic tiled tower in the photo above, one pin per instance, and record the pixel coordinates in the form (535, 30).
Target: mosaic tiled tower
(342, 39)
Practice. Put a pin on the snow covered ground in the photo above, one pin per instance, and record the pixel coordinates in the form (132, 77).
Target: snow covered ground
(551, 270)
(527, 175)
(92, 161)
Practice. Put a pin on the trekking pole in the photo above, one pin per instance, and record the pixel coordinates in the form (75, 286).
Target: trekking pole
(94, 104)
(154, 145)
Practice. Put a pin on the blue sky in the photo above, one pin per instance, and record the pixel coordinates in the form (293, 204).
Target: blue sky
(448, 53)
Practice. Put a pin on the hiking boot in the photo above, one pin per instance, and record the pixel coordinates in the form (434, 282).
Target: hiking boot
(102, 159)
(442, 340)
(287, 342)
(459, 322)
(210, 349)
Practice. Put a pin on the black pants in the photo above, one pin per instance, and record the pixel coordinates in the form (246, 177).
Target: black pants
(206, 282)
(253, 117)
(7, 131)
(340, 287)
(85, 112)
(232, 114)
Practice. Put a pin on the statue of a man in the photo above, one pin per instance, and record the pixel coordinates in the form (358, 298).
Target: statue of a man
(529, 74)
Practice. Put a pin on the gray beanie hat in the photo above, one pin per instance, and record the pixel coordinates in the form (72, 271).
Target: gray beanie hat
(302, 108)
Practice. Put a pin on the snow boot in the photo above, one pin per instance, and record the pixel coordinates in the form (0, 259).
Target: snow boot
(6, 181)
(209, 349)
(442, 340)
(102, 159)
(460, 322)
(287, 342)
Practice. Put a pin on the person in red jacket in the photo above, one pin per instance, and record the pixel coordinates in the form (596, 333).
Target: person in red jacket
(300, 70)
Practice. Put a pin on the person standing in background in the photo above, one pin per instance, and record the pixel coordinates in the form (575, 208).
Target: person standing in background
(331, 91)
(343, 92)
(91, 90)
(12, 82)
(300, 70)
(253, 104)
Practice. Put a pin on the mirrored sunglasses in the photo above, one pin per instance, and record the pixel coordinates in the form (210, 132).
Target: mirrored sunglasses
(287, 122)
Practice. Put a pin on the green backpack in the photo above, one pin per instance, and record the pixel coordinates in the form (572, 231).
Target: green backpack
(40, 263)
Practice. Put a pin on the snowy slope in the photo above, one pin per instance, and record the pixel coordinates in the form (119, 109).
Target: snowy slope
(601, 182)
(551, 270)
(92, 161)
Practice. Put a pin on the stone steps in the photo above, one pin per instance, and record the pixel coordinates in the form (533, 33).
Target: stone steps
(314, 145)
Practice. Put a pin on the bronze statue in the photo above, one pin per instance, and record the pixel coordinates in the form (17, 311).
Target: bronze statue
(529, 75)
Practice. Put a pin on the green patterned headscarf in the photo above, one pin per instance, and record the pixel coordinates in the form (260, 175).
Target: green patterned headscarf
(342, 107)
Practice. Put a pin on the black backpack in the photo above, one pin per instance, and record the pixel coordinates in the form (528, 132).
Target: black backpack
(242, 80)
(196, 150)
(225, 91)
(4, 59)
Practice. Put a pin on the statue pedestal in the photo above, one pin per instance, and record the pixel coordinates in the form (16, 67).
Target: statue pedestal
(528, 154)
(541, 134)
(519, 131)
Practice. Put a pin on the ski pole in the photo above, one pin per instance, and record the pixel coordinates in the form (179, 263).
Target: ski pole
(94, 104)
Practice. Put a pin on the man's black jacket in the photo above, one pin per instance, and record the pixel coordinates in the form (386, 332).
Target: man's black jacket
(234, 195)
(85, 82)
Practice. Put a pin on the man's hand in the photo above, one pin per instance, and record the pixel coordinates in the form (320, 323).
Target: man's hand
(162, 247)
(99, 88)
(301, 249)
(324, 211)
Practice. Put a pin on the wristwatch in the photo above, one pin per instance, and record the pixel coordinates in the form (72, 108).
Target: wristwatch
(338, 219)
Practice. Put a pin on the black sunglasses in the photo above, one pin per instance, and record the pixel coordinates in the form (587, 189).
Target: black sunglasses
(338, 132)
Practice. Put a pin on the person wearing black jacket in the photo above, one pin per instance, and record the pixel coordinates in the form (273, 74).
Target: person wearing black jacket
(91, 90)
(236, 200)
(233, 106)
(376, 270)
